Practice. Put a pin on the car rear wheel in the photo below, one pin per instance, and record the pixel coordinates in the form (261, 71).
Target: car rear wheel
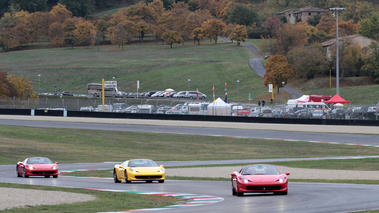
(24, 174)
(115, 177)
(126, 178)
(55, 176)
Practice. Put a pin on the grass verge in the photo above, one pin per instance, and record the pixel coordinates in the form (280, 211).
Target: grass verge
(106, 201)
(75, 145)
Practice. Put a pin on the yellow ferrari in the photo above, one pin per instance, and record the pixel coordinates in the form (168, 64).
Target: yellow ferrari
(138, 170)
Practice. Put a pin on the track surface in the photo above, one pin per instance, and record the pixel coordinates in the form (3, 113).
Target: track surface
(302, 197)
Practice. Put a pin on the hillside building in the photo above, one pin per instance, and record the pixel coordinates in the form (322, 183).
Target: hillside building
(363, 41)
(301, 14)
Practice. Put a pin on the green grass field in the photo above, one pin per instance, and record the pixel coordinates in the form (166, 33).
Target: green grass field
(72, 146)
(156, 66)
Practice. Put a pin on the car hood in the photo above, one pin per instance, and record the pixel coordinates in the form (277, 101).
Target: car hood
(146, 169)
(42, 166)
(262, 178)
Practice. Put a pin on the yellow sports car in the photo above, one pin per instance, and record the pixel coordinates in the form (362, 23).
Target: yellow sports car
(138, 170)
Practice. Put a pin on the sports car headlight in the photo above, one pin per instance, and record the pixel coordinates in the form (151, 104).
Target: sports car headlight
(281, 180)
(244, 180)
(162, 170)
(134, 171)
(31, 167)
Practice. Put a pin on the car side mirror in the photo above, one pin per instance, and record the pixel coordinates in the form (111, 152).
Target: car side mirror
(162, 166)
(56, 162)
(287, 173)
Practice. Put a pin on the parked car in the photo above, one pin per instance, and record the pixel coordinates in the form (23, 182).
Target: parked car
(317, 114)
(266, 112)
(255, 114)
(338, 113)
(179, 94)
(193, 95)
(138, 170)
(304, 113)
(37, 166)
(259, 178)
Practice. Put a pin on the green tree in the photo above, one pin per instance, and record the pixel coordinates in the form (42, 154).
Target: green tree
(371, 62)
(243, 14)
(308, 61)
(78, 8)
(69, 35)
(370, 27)
(172, 37)
(28, 5)
(278, 70)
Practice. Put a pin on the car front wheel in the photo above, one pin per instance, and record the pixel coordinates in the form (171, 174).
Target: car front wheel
(24, 175)
(18, 173)
(237, 191)
(126, 178)
(115, 177)
(233, 191)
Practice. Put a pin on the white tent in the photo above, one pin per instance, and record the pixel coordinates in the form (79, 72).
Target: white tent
(294, 102)
(219, 107)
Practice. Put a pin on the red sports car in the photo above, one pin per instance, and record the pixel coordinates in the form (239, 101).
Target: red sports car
(37, 166)
(259, 178)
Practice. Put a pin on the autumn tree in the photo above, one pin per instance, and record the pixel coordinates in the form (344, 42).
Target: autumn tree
(69, 35)
(85, 32)
(172, 37)
(288, 36)
(213, 29)
(7, 89)
(56, 33)
(345, 28)
(23, 86)
(271, 25)
(198, 34)
(61, 13)
(239, 34)
(308, 61)
(278, 70)
(326, 24)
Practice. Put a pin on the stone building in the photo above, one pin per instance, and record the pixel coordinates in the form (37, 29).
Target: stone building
(302, 14)
(363, 41)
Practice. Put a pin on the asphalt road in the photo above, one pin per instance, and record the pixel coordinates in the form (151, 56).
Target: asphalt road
(302, 197)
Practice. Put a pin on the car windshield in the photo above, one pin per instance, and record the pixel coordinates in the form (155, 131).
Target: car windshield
(260, 170)
(39, 160)
(142, 163)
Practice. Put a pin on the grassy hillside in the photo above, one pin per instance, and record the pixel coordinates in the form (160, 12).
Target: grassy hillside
(156, 66)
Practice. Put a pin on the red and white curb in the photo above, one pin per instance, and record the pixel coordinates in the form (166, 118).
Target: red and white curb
(190, 200)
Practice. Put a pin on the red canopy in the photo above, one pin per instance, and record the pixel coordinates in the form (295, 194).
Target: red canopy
(336, 99)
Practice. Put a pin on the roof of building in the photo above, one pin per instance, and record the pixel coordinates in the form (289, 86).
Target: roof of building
(304, 9)
(333, 41)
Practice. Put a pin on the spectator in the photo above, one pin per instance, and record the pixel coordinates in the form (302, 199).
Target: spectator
(263, 102)
(259, 103)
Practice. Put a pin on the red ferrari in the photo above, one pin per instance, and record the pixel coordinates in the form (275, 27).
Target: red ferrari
(37, 166)
(259, 178)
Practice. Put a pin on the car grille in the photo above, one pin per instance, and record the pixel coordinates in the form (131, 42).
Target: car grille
(263, 188)
(43, 173)
(149, 177)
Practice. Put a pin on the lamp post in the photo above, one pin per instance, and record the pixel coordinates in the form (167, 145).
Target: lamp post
(189, 82)
(238, 97)
(336, 10)
(39, 80)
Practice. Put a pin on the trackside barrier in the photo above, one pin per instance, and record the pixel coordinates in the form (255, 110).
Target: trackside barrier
(189, 117)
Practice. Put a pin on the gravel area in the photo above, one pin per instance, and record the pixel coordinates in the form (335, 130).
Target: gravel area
(14, 197)
(296, 173)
